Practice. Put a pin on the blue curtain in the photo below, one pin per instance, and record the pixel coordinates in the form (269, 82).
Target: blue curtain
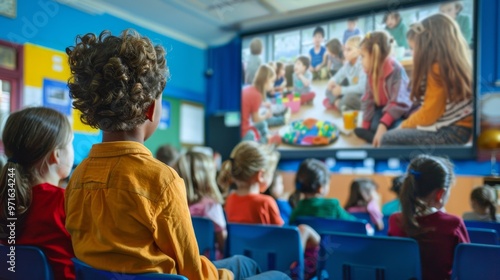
(224, 85)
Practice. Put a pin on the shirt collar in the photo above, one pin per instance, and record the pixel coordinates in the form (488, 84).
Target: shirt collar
(118, 148)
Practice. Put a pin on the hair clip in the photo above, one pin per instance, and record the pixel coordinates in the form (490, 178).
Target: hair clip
(418, 27)
(367, 36)
(415, 173)
(13, 160)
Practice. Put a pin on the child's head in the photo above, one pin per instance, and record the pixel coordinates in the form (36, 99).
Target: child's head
(411, 34)
(374, 49)
(38, 145)
(312, 177)
(351, 23)
(451, 9)
(117, 82)
(363, 190)
(280, 69)
(264, 79)
(198, 171)
(256, 46)
(351, 50)
(391, 19)
(249, 163)
(438, 40)
(483, 200)
(335, 49)
(167, 154)
(301, 65)
(427, 185)
(318, 36)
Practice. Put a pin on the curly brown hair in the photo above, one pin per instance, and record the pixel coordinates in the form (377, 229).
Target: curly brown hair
(114, 79)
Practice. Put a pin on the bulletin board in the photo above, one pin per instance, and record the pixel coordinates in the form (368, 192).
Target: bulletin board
(192, 124)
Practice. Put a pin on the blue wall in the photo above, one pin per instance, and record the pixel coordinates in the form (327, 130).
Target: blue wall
(54, 25)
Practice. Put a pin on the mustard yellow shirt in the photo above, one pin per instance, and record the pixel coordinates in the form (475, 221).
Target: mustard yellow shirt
(127, 212)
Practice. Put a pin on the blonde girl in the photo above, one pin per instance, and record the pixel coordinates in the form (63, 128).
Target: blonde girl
(38, 144)
(483, 202)
(386, 100)
(441, 86)
(203, 195)
(425, 191)
(253, 125)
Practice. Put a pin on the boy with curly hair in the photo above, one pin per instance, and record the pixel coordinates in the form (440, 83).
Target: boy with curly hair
(127, 211)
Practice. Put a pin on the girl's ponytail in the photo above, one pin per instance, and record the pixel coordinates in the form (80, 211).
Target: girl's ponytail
(493, 211)
(409, 204)
(15, 196)
(376, 69)
(224, 179)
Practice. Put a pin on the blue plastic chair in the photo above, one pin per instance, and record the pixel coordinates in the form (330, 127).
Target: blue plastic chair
(86, 272)
(30, 263)
(486, 225)
(476, 261)
(483, 236)
(205, 236)
(272, 247)
(352, 256)
(321, 225)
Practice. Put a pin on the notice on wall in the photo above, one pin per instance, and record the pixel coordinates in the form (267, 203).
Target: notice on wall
(56, 96)
(192, 124)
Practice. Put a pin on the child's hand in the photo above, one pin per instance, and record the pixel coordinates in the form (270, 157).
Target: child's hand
(337, 91)
(269, 114)
(331, 84)
(381, 130)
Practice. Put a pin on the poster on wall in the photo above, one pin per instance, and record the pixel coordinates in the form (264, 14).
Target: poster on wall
(165, 115)
(56, 96)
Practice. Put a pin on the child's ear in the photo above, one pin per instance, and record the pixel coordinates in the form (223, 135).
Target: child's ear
(151, 111)
(440, 194)
(54, 157)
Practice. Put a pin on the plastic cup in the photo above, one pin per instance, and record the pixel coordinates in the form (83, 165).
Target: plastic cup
(350, 119)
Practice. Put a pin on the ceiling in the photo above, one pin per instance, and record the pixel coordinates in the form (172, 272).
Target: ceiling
(211, 22)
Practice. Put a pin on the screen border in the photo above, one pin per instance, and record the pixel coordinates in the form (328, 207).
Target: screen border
(452, 152)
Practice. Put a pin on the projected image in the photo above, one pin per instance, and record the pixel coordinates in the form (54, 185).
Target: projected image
(396, 78)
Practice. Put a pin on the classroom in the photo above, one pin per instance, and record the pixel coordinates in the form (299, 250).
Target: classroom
(249, 139)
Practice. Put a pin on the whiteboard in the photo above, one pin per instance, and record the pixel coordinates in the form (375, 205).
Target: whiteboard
(192, 124)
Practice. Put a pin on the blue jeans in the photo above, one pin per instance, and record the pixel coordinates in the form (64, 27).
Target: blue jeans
(246, 268)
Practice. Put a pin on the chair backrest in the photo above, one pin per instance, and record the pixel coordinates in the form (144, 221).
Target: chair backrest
(28, 262)
(85, 272)
(483, 236)
(329, 225)
(352, 256)
(479, 224)
(205, 236)
(476, 261)
(272, 247)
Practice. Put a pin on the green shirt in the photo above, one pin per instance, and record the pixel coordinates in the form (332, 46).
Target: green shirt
(463, 22)
(399, 34)
(391, 207)
(322, 208)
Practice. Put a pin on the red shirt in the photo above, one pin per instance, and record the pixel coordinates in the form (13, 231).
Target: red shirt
(251, 99)
(253, 209)
(437, 247)
(44, 228)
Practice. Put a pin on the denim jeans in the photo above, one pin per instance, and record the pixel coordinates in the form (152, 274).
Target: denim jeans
(246, 268)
